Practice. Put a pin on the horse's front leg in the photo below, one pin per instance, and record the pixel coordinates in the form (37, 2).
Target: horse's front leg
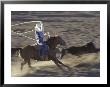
(63, 64)
(23, 63)
(58, 65)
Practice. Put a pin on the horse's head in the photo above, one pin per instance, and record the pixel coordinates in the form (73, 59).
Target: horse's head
(60, 41)
(54, 41)
(90, 45)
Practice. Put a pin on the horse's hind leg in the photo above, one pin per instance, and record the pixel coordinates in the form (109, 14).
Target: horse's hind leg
(23, 63)
(29, 63)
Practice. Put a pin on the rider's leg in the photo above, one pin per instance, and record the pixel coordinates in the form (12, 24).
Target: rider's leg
(46, 51)
(41, 37)
(42, 52)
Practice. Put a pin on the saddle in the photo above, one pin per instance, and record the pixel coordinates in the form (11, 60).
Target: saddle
(42, 52)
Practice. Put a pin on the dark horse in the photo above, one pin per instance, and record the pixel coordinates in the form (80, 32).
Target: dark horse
(30, 52)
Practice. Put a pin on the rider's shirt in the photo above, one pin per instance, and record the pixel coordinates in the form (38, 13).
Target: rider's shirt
(39, 33)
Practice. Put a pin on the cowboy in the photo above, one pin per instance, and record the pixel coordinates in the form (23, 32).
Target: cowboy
(39, 35)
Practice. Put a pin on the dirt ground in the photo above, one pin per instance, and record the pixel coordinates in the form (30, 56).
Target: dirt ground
(87, 65)
(76, 28)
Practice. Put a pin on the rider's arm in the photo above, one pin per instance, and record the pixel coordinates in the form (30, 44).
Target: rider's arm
(42, 28)
(45, 34)
(37, 28)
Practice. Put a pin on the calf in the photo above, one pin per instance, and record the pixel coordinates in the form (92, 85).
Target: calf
(88, 48)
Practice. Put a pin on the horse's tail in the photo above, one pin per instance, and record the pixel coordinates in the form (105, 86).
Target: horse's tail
(19, 52)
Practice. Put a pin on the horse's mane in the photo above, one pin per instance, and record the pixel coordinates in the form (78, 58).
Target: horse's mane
(53, 37)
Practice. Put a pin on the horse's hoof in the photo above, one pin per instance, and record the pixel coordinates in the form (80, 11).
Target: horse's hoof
(69, 69)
